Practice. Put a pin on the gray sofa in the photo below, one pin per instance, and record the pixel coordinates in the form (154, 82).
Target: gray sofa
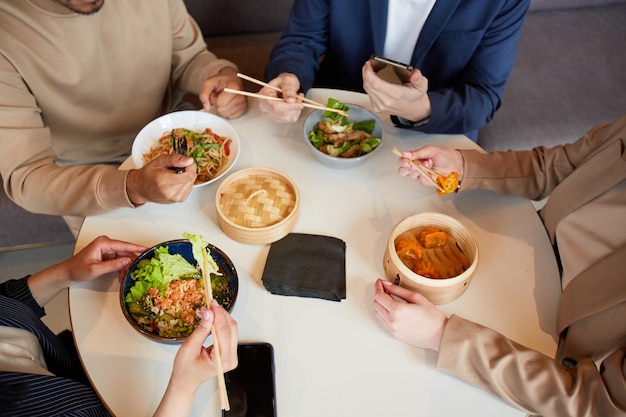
(241, 31)
(569, 75)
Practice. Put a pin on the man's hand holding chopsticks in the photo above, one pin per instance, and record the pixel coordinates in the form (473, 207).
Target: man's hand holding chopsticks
(288, 110)
(227, 105)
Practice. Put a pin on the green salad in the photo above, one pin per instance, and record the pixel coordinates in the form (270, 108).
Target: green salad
(167, 290)
(337, 136)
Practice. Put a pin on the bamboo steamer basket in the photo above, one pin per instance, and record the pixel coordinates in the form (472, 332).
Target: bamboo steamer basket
(438, 291)
(257, 205)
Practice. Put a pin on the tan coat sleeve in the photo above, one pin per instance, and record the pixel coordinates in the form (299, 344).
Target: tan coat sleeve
(530, 380)
(535, 173)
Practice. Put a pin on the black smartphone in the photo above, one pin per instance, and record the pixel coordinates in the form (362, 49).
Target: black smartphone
(250, 386)
(390, 70)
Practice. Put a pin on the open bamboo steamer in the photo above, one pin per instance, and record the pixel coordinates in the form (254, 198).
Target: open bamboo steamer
(438, 291)
(257, 205)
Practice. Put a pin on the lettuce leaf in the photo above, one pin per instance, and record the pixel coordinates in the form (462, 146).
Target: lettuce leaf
(335, 104)
(157, 272)
(365, 125)
(199, 247)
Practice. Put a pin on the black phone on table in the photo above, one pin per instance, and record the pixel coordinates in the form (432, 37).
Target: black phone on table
(390, 70)
(251, 385)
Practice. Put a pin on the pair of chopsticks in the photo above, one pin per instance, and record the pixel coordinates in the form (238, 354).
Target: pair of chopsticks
(307, 101)
(221, 382)
(424, 170)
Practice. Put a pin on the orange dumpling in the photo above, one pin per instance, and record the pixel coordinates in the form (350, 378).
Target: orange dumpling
(449, 183)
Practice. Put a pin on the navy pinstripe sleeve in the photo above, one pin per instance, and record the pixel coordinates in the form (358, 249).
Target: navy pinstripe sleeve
(24, 394)
(17, 289)
(31, 395)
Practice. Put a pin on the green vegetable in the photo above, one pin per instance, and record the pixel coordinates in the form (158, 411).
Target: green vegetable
(200, 249)
(316, 136)
(335, 104)
(368, 145)
(220, 289)
(366, 126)
(157, 272)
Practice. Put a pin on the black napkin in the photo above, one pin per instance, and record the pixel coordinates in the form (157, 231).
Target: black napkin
(306, 265)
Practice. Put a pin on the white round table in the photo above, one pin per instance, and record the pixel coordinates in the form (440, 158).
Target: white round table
(332, 358)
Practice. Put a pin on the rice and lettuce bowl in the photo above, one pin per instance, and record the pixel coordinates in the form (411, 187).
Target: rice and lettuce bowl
(164, 287)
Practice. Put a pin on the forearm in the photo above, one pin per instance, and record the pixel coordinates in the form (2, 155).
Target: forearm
(44, 187)
(48, 283)
(520, 173)
(17, 289)
(176, 401)
(458, 111)
(528, 379)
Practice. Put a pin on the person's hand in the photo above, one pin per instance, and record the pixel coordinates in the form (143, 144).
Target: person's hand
(158, 181)
(194, 364)
(288, 110)
(415, 320)
(408, 100)
(100, 257)
(443, 160)
(227, 105)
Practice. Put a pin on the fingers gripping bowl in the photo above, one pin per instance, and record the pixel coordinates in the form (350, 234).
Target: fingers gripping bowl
(433, 254)
(163, 288)
(211, 141)
(343, 146)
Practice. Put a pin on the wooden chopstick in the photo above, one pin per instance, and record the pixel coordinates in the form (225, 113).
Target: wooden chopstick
(264, 97)
(221, 382)
(303, 98)
(424, 170)
(264, 84)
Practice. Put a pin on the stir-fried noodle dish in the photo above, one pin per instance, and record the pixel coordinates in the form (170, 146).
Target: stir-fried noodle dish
(209, 150)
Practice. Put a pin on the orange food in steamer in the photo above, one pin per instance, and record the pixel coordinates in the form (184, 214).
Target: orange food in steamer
(431, 252)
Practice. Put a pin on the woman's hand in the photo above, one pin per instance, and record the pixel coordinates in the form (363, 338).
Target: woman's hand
(289, 108)
(100, 257)
(444, 160)
(194, 364)
(415, 320)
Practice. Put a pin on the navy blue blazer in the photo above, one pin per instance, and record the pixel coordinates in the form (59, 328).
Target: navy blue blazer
(466, 50)
(68, 393)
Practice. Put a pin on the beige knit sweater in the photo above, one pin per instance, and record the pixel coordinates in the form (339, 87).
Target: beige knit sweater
(75, 90)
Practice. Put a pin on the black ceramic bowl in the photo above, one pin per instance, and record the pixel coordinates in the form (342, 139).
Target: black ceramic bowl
(182, 247)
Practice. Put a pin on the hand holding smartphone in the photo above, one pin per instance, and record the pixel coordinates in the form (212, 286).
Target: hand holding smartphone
(390, 70)
(250, 386)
